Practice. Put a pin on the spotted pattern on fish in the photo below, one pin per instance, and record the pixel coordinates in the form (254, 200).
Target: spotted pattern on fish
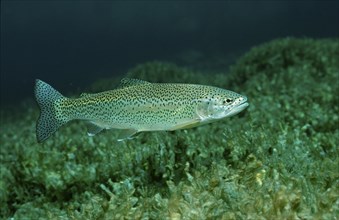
(142, 106)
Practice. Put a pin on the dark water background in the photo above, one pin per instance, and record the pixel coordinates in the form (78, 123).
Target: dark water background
(69, 44)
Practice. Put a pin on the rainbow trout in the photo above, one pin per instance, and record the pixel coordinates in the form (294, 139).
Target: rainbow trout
(136, 106)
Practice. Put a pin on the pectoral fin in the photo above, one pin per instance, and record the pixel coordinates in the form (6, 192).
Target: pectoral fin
(127, 134)
(190, 124)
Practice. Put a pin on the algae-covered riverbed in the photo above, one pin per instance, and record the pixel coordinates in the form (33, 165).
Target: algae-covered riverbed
(278, 159)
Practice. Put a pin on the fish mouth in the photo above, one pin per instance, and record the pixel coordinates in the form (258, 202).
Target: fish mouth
(242, 106)
(238, 108)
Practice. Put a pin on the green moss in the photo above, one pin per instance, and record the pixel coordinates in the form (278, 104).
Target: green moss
(278, 159)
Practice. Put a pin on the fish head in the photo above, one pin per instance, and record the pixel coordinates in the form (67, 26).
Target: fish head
(222, 105)
(229, 106)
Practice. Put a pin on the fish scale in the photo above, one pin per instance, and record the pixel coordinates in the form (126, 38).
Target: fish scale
(137, 106)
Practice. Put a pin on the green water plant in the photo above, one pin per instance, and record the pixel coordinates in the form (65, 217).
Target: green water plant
(278, 159)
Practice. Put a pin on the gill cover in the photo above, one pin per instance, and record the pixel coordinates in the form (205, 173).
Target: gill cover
(211, 109)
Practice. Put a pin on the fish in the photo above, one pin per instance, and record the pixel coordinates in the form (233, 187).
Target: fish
(136, 106)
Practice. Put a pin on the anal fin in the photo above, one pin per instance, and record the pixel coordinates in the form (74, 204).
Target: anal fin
(93, 129)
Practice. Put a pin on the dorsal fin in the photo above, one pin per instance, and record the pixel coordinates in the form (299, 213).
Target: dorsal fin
(84, 94)
(127, 82)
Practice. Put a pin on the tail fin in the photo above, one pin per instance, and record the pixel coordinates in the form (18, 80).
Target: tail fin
(48, 121)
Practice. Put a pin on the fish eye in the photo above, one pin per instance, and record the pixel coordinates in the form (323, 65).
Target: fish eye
(227, 101)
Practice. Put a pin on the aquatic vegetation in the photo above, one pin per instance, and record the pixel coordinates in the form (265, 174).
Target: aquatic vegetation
(278, 159)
